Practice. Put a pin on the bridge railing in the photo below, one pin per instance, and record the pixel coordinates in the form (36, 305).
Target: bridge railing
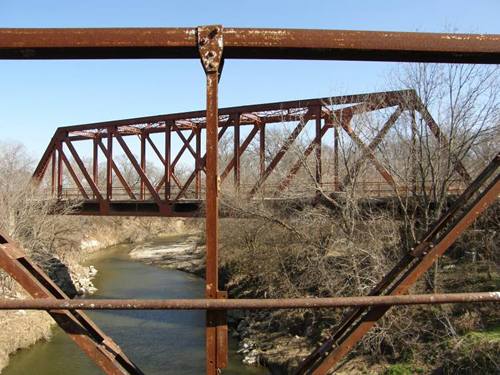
(368, 189)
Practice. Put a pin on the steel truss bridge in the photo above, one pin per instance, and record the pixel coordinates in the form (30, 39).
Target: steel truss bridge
(213, 44)
(171, 195)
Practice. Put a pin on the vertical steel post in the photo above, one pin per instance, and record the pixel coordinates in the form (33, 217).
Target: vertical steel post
(262, 150)
(335, 158)
(198, 163)
(109, 167)
(413, 156)
(143, 165)
(318, 146)
(210, 44)
(236, 154)
(54, 175)
(95, 163)
(59, 169)
(168, 161)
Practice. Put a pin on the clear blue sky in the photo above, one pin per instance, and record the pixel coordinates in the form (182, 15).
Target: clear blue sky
(38, 96)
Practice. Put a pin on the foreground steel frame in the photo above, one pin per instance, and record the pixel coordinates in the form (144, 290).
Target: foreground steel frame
(212, 44)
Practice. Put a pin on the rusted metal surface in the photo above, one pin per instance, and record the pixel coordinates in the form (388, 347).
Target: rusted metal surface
(211, 43)
(81, 329)
(248, 304)
(240, 43)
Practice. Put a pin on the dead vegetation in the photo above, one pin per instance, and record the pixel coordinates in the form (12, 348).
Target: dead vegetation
(342, 245)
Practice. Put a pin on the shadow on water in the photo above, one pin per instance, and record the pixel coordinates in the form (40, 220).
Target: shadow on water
(160, 342)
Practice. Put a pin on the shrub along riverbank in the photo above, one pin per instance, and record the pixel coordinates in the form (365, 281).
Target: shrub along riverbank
(317, 252)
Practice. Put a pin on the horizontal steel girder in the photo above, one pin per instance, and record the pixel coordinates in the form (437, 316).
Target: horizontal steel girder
(240, 43)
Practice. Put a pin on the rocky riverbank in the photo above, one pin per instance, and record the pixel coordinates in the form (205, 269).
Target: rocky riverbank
(187, 256)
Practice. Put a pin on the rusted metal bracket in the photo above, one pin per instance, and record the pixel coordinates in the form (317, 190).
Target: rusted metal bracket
(80, 328)
(210, 46)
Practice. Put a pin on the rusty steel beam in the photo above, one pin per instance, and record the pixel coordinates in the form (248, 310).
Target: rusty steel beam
(318, 146)
(167, 162)
(210, 41)
(58, 146)
(95, 162)
(203, 162)
(142, 138)
(236, 154)
(248, 304)
(241, 43)
(53, 177)
(345, 124)
(387, 98)
(373, 144)
(197, 165)
(117, 171)
(109, 164)
(282, 151)
(243, 147)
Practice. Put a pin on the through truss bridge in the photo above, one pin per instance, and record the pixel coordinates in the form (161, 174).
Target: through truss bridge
(285, 151)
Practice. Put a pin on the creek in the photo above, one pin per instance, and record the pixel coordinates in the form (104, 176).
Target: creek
(159, 342)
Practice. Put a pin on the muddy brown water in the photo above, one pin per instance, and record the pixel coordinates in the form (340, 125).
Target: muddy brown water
(160, 342)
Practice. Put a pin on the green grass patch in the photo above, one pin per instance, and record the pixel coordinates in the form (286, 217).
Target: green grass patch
(403, 369)
(476, 352)
(491, 335)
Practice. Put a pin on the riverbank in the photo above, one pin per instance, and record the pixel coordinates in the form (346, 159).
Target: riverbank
(187, 255)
